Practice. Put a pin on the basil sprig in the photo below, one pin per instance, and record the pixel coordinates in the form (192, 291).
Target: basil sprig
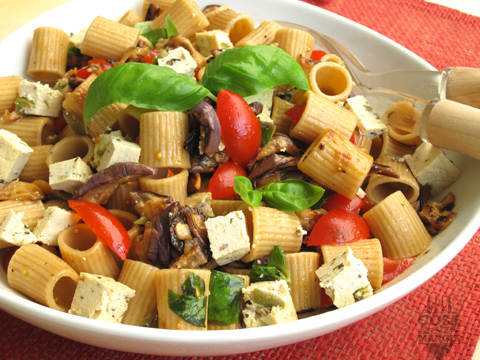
(145, 86)
(276, 268)
(224, 302)
(192, 305)
(252, 69)
(288, 195)
(153, 35)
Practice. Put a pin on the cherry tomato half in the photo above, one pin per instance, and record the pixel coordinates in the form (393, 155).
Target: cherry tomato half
(393, 268)
(337, 201)
(317, 55)
(221, 183)
(104, 224)
(338, 227)
(241, 131)
(85, 71)
(149, 58)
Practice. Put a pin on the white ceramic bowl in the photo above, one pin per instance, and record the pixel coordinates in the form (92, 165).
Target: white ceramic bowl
(378, 53)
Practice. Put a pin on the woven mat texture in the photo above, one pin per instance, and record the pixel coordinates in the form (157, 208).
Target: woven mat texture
(408, 329)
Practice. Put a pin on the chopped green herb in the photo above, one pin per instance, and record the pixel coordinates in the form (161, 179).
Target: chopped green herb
(275, 269)
(224, 303)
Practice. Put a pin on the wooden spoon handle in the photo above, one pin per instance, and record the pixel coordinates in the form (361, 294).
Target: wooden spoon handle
(463, 86)
(451, 125)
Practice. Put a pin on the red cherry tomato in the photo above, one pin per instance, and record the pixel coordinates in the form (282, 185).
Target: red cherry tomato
(149, 58)
(105, 225)
(338, 227)
(241, 131)
(296, 112)
(337, 201)
(221, 183)
(60, 124)
(393, 268)
(85, 71)
(317, 55)
(325, 300)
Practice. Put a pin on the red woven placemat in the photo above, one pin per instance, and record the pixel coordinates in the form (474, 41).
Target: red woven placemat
(441, 319)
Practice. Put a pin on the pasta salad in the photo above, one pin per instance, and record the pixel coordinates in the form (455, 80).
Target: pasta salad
(184, 169)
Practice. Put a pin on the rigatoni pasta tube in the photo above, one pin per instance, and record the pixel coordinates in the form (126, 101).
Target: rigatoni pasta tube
(140, 277)
(393, 148)
(84, 252)
(32, 210)
(261, 35)
(297, 43)
(36, 167)
(104, 119)
(186, 15)
(305, 288)
(401, 118)
(130, 18)
(320, 114)
(237, 25)
(162, 4)
(108, 39)
(368, 251)
(39, 274)
(330, 80)
(174, 186)
(268, 227)
(172, 279)
(395, 223)
(162, 135)
(9, 92)
(33, 130)
(222, 207)
(380, 186)
(281, 121)
(70, 148)
(336, 163)
(48, 55)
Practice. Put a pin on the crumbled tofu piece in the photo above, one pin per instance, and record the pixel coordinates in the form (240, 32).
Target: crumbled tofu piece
(432, 168)
(54, 221)
(117, 151)
(77, 38)
(37, 99)
(266, 99)
(101, 298)
(101, 144)
(229, 240)
(212, 40)
(369, 123)
(13, 232)
(180, 60)
(14, 154)
(267, 303)
(202, 201)
(344, 279)
(69, 175)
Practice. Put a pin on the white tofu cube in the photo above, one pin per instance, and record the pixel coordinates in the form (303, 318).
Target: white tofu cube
(14, 154)
(101, 298)
(69, 175)
(369, 123)
(180, 60)
(432, 168)
(212, 40)
(266, 99)
(119, 150)
(229, 240)
(77, 38)
(54, 221)
(101, 146)
(344, 279)
(13, 232)
(37, 99)
(268, 303)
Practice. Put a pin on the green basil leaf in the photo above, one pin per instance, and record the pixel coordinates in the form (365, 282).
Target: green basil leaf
(170, 27)
(144, 26)
(250, 70)
(192, 305)
(153, 35)
(224, 302)
(267, 133)
(276, 268)
(145, 86)
(243, 187)
(73, 51)
(291, 195)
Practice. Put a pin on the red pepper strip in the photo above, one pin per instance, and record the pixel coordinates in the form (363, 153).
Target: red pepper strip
(296, 112)
(105, 225)
(317, 55)
(393, 268)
